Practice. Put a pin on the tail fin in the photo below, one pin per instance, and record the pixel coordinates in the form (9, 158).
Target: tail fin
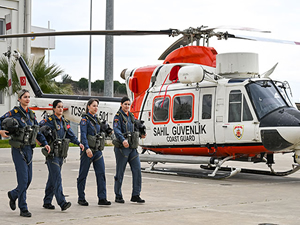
(25, 76)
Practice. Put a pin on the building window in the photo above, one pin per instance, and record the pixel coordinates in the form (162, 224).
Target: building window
(2, 28)
(183, 108)
(206, 106)
(1, 97)
(161, 109)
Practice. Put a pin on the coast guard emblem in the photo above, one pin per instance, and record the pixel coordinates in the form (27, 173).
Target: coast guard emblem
(238, 131)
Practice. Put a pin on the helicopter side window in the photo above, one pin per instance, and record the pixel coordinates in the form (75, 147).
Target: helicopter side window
(247, 116)
(206, 106)
(183, 107)
(161, 109)
(235, 106)
(238, 107)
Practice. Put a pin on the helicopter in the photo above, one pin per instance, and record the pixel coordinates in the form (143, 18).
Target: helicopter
(198, 107)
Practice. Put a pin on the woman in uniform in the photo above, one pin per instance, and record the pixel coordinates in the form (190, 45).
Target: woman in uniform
(91, 137)
(22, 144)
(125, 152)
(61, 133)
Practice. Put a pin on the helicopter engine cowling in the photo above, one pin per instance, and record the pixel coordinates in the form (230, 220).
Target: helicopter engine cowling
(280, 129)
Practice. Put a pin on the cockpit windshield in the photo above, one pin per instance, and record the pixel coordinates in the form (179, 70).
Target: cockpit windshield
(282, 87)
(265, 97)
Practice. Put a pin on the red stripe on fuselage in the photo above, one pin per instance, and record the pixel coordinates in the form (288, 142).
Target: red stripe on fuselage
(204, 151)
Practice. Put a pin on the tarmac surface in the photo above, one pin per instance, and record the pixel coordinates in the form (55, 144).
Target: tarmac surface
(242, 199)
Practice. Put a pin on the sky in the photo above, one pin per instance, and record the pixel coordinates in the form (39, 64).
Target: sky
(72, 53)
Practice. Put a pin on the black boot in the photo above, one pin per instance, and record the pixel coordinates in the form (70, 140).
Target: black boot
(83, 202)
(65, 206)
(49, 206)
(137, 199)
(12, 203)
(104, 202)
(25, 213)
(119, 200)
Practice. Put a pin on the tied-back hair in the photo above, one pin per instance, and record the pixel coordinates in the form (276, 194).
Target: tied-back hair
(55, 103)
(89, 103)
(22, 92)
(124, 99)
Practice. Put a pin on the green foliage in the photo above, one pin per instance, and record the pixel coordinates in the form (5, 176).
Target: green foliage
(119, 88)
(45, 76)
(4, 76)
(83, 83)
(98, 86)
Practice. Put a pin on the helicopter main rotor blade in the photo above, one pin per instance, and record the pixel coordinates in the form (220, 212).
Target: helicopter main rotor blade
(263, 39)
(92, 32)
(238, 28)
(183, 41)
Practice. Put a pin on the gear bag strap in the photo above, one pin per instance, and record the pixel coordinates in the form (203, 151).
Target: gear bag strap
(31, 114)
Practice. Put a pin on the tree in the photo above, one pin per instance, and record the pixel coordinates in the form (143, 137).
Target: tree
(83, 84)
(66, 79)
(98, 86)
(119, 88)
(4, 76)
(45, 76)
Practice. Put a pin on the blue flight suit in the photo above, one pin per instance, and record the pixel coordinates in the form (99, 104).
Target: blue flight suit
(126, 155)
(54, 182)
(22, 158)
(88, 127)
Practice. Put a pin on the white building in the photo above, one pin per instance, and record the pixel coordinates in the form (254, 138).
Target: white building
(20, 11)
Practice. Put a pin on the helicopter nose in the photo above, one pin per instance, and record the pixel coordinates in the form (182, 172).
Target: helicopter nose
(280, 129)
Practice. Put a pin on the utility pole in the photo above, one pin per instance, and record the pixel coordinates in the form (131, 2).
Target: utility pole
(109, 51)
(90, 50)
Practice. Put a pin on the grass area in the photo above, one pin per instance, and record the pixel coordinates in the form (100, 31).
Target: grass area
(4, 144)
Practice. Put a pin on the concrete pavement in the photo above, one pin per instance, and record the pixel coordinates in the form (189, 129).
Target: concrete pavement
(242, 199)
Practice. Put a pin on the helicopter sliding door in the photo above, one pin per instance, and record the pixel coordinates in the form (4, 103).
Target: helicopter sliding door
(240, 126)
(206, 115)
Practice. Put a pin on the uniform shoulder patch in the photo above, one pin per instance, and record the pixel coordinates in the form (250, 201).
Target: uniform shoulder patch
(43, 122)
(116, 122)
(16, 111)
(50, 118)
(8, 114)
(83, 122)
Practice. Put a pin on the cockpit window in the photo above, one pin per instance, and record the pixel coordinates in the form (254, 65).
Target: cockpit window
(283, 90)
(265, 97)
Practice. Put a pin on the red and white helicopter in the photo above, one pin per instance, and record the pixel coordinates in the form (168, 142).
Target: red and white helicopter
(199, 106)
